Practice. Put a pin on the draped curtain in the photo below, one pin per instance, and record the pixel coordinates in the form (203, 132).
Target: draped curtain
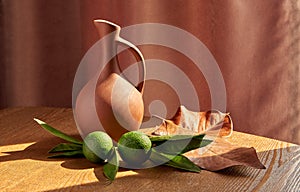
(255, 43)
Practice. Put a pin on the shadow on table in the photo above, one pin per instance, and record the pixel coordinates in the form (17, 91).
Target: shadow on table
(38, 151)
(158, 179)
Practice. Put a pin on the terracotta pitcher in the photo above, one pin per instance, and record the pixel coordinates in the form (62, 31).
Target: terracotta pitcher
(117, 103)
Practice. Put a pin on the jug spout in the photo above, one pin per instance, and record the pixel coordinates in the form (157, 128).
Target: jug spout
(106, 27)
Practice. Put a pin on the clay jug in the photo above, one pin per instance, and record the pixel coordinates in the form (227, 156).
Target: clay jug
(118, 104)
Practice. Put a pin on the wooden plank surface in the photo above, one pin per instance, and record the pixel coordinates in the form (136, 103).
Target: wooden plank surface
(24, 165)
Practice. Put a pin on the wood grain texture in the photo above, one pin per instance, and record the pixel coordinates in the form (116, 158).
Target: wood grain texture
(24, 165)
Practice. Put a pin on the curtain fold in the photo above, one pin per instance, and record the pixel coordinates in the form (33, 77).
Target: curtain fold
(255, 43)
(41, 50)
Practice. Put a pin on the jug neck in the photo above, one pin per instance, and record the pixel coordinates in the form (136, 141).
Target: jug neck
(108, 32)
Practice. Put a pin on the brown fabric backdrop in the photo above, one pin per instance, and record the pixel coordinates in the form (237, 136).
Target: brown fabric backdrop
(256, 44)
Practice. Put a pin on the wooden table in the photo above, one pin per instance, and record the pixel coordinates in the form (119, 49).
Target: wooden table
(24, 165)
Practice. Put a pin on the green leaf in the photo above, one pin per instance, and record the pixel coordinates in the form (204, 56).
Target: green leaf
(205, 142)
(111, 168)
(181, 162)
(64, 147)
(68, 154)
(159, 158)
(57, 132)
(158, 139)
(178, 144)
(177, 161)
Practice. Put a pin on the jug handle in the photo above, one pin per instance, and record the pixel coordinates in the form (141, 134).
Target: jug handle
(139, 56)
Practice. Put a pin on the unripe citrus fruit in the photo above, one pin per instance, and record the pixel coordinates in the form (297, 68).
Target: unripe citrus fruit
(97, 146)
(134, 147)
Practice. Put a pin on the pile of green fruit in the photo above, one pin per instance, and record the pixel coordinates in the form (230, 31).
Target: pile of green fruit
(135, 148)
